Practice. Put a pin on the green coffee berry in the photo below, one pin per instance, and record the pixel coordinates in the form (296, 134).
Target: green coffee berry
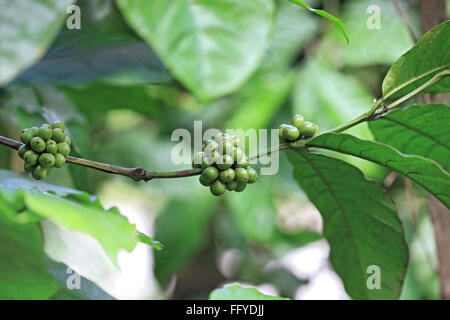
(204, 182)
(243, 163)
(63, 148)
(308, 129)
(197, 161)
(210, 147)
(68, 140)
(226, 175)
(35, 130)
(58, 135)
(241, 175)
(221, 137)
(206, 162)
(280, 131)
(227, 147)
(22, 149)
(240, 186)
(290, 133)
(252, 175)
(28, 167)
(47, 160)
(231, 186)
(51, 146)
(26, 135)
(236, 141)
(37, 144)
(210, 174)
(218, 188)
(39, 172)
(58, 124)
(45, 132)
(297, 120)
(237, 154)
(31, 157)
(225, 162)
(59, 160)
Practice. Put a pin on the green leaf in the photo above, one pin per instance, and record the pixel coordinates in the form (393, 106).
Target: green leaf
(28, 27)
(103, 49)
(419, 130)
(210, 46)
(23, 270)
(235, 291)
(425, 172)
(324, 14)
(422, 62)
(360, 224)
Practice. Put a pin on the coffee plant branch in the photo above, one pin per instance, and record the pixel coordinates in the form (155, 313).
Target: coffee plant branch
(139, 174)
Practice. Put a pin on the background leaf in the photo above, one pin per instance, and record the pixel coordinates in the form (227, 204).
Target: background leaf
(28, 27)
(422, 62)
(360, 224)
(211, 47)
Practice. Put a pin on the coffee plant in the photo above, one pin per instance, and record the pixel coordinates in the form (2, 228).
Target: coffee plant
(100, 106)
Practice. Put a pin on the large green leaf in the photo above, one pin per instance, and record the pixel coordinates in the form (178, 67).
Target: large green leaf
(23, 270)
(425, 172)
(210, 46)
(235, 291)
(420, 130)
(28, 27)
(324, 14)
(103, 49)
(429, 56)
(360, 224)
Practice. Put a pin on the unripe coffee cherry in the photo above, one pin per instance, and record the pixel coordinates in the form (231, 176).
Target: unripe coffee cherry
(63, 148)
(22, 149)
(236, 141)
(218, 188)
(68, 140)
(297, 120)
(27, 167)
(59, 160)
(51, 146)
(210, 174)
(241, 175)
(47, 160)
(280, 131)
(252, 175)
(224, 162)
(290, 133)
(240, 186)
(237, 154)
(206, 162)
(45, 132)
(197, 161)
(58, 124)
(37, 144)
(308, 129)
(226, 175)
(39, 172)
(35, 130)
(203, 182)
(243, 163)
(31, 157)
(58, 135)
(210, 146)
(231, 186)
(226, 147)
(26, 135)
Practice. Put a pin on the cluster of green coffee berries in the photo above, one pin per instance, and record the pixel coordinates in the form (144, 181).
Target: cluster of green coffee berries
(225, 166)
(44, 148)
(299, 129)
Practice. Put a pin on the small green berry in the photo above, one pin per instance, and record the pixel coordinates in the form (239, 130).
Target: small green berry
(22, 149)
(47, 160)
(241, 175)
(68, 140)
(231, 186)
(63, 148)
(290, 133)
(236, 141)
(221, 137)
(39, 172)
(37, 144)
(204, 182)
(28, 167)
(237, 154)
(35, 130)
(206, 162)
(45, 132)
(309, 129)
(59, 135)
(252, 175)
(297, 120)
(58, 124)
(51, 146)
(26, 135)
(210, 146)
(218, 188)
(280, 131)
(226, 175)
(197, 161)
(226, 147)
(31, 157)
(240, 186)
(243, 163)
(225, 162)
(210, 174)
(59, 160)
